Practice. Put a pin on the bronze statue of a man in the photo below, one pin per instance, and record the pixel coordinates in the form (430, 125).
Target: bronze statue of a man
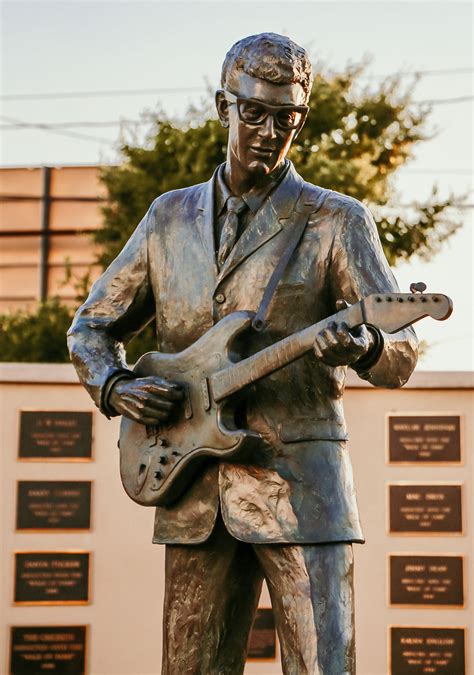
(288, 514)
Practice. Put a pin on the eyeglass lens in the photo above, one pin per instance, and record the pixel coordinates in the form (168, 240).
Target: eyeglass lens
(253, 113)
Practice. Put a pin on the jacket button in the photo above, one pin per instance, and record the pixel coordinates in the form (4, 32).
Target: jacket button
(220, 298)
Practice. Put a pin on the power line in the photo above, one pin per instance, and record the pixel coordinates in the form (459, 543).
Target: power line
(67, 125)
(52, 130)
(189, 89)
(424, 73)
(440, 101)
(100, 94)
(457, 172)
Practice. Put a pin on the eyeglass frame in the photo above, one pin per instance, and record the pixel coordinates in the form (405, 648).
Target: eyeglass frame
(272, 110)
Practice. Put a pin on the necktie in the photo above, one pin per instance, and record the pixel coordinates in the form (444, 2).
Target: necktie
(235, 206)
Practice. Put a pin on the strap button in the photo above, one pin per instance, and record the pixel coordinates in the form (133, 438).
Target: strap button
(220, 298)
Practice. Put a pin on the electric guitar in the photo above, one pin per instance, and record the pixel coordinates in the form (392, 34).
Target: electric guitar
(157, 463)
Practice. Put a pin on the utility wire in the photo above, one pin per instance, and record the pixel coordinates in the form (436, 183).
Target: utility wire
(182, 90)
(51, 129)
(457, 172)
(19, 124)
(68, 125)
(100, 94)
(440, 71)
(440, 101)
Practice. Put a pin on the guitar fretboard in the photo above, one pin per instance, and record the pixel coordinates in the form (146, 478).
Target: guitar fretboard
(234, 378)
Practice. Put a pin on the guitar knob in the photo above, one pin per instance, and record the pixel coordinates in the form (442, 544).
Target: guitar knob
(163, 459)
(418, 287)
(163, 442)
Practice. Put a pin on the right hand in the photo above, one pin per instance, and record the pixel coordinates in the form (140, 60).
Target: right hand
(147, 400)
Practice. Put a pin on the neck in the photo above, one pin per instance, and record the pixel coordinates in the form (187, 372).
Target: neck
(235, 377)
(239, 182)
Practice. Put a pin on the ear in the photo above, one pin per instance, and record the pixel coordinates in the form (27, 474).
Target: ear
(222, 108)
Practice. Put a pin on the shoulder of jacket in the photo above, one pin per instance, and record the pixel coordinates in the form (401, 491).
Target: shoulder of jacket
(345, 205)
(178, 197)
(334, 204)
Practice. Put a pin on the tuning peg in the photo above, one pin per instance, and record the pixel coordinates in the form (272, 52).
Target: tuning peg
(418, 287)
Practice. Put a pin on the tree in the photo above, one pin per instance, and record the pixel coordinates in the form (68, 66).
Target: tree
(354, 141)
(38, 336)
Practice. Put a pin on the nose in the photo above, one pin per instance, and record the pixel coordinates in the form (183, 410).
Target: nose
(267, 128)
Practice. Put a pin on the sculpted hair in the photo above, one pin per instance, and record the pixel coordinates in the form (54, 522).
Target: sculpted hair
(270, 57)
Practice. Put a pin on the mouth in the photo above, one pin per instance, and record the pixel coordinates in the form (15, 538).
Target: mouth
(262, 152)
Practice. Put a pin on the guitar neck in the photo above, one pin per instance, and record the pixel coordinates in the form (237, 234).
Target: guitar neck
(234, 378)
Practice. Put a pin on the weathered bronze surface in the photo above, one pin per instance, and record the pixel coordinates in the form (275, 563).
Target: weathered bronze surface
(287, 512)
(158, 461)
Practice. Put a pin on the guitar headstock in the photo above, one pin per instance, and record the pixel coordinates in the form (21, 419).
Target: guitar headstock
(393, 311)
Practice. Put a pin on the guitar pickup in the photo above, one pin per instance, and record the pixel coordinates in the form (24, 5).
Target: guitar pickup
(206, 399)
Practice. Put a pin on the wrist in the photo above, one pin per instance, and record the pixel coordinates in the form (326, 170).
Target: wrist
(373, 352)
(105, 406)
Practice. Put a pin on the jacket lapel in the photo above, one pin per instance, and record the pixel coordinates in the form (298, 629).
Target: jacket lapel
(268, 221)
(205, 219)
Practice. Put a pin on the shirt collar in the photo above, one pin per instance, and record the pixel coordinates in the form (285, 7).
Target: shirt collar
(255, 197)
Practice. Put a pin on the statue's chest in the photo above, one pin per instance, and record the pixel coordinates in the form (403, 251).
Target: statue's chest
(190, 296)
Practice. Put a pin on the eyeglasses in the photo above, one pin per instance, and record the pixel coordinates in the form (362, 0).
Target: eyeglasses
(253, 111)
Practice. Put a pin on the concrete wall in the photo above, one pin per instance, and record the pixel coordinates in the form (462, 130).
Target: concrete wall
(124, 614)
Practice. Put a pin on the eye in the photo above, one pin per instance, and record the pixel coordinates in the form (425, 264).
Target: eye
(289, 118)
(252, 111)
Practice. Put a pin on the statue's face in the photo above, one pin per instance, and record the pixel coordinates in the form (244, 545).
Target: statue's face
(258, 149)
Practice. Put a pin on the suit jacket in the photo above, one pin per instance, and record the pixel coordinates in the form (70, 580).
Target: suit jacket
(298, 488)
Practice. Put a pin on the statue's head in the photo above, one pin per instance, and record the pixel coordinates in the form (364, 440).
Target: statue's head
(266, 82)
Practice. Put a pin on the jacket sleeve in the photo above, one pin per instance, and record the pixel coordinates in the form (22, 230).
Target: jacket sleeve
(359, 268)
(119, 306)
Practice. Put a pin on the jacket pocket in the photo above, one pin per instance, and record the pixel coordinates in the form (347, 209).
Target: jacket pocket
(282, 290)
(322, 429)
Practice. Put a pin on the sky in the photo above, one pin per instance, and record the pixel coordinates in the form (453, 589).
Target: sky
(102, 47)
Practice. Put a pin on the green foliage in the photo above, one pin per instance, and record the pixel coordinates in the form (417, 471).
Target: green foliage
(179, 157)
(38, 336)
(354, 141)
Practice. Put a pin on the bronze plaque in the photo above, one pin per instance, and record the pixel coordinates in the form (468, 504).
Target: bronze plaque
(262, 640)
(53, 505)
(425, 509)
(418, 651)
(55, 435)
(434, 580)
(60, 650)
(52, 578)
(424, 439)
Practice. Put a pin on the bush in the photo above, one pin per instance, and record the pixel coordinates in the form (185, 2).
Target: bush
(37, 336)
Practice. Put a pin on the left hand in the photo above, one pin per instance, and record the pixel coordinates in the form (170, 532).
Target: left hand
(336, 345)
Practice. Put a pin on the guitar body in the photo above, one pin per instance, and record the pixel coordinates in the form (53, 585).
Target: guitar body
(157, 463)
